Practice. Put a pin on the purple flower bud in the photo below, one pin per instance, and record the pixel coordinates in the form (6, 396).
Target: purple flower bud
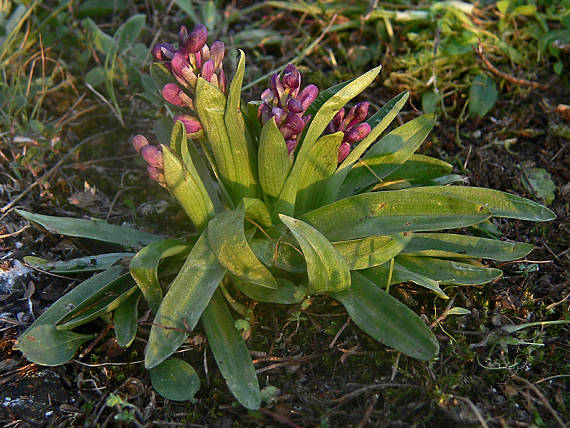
(170, 93)
(181, 68)
(205, 53)
(361, 111)
(294, 105)
(217, 52)
(182, 37)
(196, 39)
(293, 126)
(139, 141)
(222, 81)
(291, 145)
(267, 96)
(153, 156)
(337, 121)
(357, 133)
(277, 87)
(191, 123)
(208, 70)
(264, 113)
(279, 115)
(163, 51)
(343, 152)
(156, 175)
(291, 77)
(308, 95)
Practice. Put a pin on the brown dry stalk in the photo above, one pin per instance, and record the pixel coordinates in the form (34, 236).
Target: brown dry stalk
(514, 80)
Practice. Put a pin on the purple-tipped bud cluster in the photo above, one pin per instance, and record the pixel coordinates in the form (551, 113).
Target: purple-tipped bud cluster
(192, 59)
(152, 156)
(351, 125)
(284, 101)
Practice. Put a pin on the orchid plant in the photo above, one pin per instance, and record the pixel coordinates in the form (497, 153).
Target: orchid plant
(290, 196)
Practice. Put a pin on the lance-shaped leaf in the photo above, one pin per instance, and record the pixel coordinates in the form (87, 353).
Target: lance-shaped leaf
(394, 211)
(243, 154)
(399, 274)
(211, 107)
(160, 75)
(79, 265)
(144, 268)
(286, 201)
(387, 155)
(187, 187)
(373, 251)
(226, 237)
(449, 271)
(125, 321)
(449, 245)
(92, 229)
(43, 329)
(500, 204)
(286, 293)
(274, 162)
(104, 301)
(387, 319)
(184, 302)
(231, 353)
(175, 380)
(378, 124)
(321, 163)
(326, 268)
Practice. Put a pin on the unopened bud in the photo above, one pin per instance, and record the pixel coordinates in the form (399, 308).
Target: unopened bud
(291, 77)
(191, 123)
(217, 51)
(139, 141)
(196, 39)
(357, 133)
(170, 93)
(294, 105)
(308, 95)
(182, 37)
(343, 152)
(208, 70)
(163, 51)
(153, 156)
(156, 175)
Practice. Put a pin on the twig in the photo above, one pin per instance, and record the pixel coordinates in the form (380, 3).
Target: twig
(54, 168)
(337, 335)
(514, 80)
(95, 342)
(17, 232)
(368, 411)
(542, 398)
(279, 418)
(475, 410)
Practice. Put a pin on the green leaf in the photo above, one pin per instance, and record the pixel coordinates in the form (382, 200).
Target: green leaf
(449, 271)
(394, 211)
(387, 320)
(419, 168)
(450, 245)
(186, 185)
(28, 341)
(482, 95)
(327, 269)
(47, 346)
(125, 321)
(257, 211)
(539, 182)
(321, 163)
(79, 265)
(175, 380)
(104, 301)
(129, 32)
(243, 154)
(381, 274)
(501, 204)
(387, 155)
(286, 293)
(101, 41)
(280, 254)
(184, 302)
(210, 106)
(286, 202)
(160, 75)
(144, 268)
(458, 311)
(231, 353)
(228, 242)
(92, 229)
(274, 162)
(376, 250)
